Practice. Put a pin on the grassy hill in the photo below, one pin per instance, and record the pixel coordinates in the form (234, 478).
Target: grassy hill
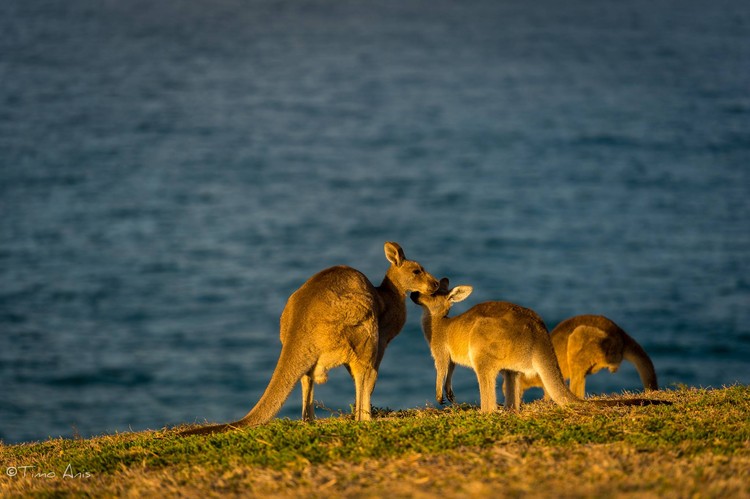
(699, 446)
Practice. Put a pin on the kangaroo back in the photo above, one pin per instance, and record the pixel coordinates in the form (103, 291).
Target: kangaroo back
(635, 354)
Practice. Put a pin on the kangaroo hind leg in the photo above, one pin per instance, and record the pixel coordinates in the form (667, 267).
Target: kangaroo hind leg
(578, 382)
(364, 380)
(308, 409)
(487, 386)
(512, 389)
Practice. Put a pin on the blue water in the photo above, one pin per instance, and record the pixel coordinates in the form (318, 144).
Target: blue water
(170, 172)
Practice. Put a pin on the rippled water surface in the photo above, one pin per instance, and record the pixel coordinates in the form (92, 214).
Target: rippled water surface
(171, 171)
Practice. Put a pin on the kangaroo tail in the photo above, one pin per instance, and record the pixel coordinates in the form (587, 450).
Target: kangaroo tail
(635, 354)
(545, 364)
(628, 402)
(292, 365)
(208, 430)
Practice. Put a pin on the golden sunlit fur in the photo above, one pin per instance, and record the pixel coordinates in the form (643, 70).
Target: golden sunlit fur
(337, 318)
(586, 344)
(492, 338)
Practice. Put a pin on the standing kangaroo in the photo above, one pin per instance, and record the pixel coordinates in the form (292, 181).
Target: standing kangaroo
(585, 344)
(492, 337)
(337, 318)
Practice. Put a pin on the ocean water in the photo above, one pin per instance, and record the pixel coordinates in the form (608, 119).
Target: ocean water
(170, 172)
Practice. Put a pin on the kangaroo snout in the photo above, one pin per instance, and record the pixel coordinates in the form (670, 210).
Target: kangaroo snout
(424, 283)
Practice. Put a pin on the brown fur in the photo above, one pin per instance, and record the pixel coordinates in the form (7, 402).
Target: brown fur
(492, 338)
(586, 344)
(337, 318)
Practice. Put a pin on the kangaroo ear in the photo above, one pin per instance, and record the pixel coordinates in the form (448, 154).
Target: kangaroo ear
(459, 293)
(394, 253)
(444, 284)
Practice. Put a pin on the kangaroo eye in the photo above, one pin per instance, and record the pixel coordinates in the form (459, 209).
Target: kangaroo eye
(417, 272)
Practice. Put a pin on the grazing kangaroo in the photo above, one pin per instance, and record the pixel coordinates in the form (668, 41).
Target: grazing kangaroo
(586, 344)
(337, 318)
(494, 337)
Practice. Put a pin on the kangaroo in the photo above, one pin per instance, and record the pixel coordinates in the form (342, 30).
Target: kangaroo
(337, 318)
(586, 344)
(490, 338)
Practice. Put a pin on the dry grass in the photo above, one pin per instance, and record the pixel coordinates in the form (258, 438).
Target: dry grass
(698, 447)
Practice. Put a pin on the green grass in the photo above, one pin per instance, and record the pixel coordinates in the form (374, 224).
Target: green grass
(701, 426)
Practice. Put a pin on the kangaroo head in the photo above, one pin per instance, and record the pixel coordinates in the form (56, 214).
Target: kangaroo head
(408, 275)
(439, 303)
